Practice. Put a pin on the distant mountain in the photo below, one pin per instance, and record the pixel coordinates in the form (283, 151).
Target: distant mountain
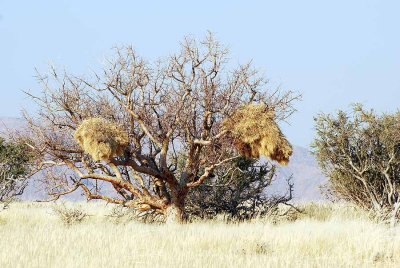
(10, 124)
(307, 176)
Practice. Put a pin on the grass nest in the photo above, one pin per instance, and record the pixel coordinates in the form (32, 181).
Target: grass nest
(101, 139)
(255, 133)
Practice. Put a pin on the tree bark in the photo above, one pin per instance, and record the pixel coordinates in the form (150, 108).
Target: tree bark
(393, 219)
(175, 212)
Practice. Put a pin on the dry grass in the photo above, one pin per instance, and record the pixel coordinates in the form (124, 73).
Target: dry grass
(256, 133)
(33, 236)
(71, 214)
(101, 139)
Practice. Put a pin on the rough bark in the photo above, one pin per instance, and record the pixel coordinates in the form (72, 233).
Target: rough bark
(395, 211)
(175, 213)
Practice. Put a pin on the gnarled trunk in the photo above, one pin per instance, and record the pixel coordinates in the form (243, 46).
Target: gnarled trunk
(175, 212)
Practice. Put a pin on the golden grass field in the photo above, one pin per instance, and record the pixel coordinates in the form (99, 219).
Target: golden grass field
(33, 235)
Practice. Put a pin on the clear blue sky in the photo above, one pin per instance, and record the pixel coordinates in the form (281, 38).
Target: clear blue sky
(332, 52)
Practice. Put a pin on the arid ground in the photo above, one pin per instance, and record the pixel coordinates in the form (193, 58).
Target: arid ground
(34, 235)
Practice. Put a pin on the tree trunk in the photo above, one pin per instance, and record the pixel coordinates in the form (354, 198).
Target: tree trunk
(396, 209)
(175, 213)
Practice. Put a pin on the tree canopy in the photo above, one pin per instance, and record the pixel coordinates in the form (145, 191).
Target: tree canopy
(360, 153)
(129, 124)
(15, 159)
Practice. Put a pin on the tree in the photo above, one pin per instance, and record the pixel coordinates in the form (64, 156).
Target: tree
(128, 125)
(360, 153)
(15, 169)
(237, 189)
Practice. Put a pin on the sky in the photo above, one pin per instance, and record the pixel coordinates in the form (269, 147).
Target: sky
(333, 53)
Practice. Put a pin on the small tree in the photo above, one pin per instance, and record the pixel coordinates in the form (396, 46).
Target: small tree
(360, 153)
(237, 189)
(14, 169)
(128, 125)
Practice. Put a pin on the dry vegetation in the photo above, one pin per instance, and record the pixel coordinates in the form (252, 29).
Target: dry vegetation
(154, 131)
(101, 139)
(33, 235)
(256, 133)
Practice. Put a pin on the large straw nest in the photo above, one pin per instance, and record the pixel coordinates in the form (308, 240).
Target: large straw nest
(255, 133)
(101, 139)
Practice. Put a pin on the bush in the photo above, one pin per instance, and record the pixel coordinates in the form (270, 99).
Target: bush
(15, 169)
(123, 215)
(70, 216)
(360, 153)
(238, 191)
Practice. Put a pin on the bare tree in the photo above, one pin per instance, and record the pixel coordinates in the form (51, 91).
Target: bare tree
(360, 153)
(160, 111)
